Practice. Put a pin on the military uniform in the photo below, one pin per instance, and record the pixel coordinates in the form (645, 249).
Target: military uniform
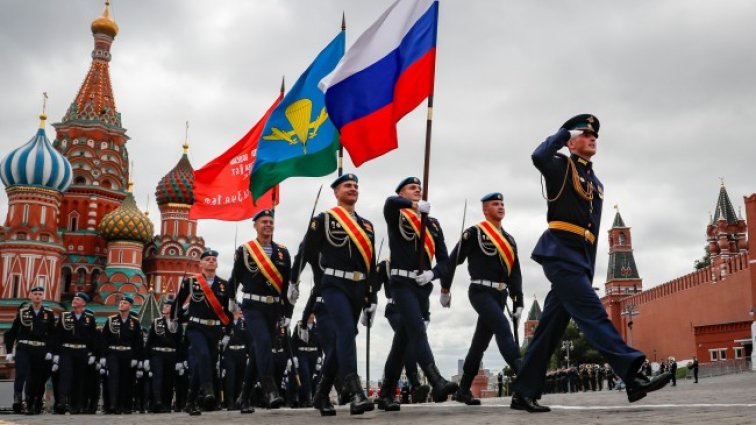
(205, 328)
(76, 346)
(307, 352)
(162, 350)
(493, 275)
(408, 296)
(234, 362)
(31, 332)
(122, 344)
(264, 304)
(567, 253)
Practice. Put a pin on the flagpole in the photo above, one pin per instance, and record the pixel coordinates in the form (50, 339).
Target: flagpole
(340, 168)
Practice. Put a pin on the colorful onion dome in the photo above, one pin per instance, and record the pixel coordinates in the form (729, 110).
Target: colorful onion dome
(176, 186)
(37, 163)
(126, 223)
(105, 23)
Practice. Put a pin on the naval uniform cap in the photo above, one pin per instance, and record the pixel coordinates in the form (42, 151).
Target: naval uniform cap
(209, 253)
(405, 182)
(344, 178)
(493, 196)
(585, 122)
(83, 296)
(264, 213)
(37, 289)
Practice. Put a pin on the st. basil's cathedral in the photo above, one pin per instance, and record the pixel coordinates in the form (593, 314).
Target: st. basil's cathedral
(73, 224)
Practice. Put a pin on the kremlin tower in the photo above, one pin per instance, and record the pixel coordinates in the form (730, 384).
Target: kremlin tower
(726, 235)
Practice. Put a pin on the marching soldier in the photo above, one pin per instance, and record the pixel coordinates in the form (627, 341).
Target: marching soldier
(31, 331)
(494, 267)
(207, 299)
(410, 287)
(76, 336)
(342, 242)
(161, 357)
(307, 347)
(567, 253)
(261, 272)
(235, 360)
(123, 342)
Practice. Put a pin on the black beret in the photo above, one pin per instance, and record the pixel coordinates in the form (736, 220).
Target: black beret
(83, 296)
(405, 182)
(493, 196)
(344, 178)
(209, 253)
(264, 213)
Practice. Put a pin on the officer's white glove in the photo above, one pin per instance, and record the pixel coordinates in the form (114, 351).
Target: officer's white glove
(48, 356)
(140, 365)
(91, 360)
(285, 321)
(288, 364)
(103, 361)
(575, 133)
(149, 374)
(318, 364)
(224, 341)
(103, 371)
(368, 314)
(9, 357)
(179, 366)
(56, 359)
(186, 364)
(139, 374)
(146, 365)
(54, 367)
(304, 334)
(239, 295)
(423, 207)
(223, 374)
(424, 277)
(181, 372)
(133, 363)
(296, 362)
(517, 313)
(445, 299)
(293, 293)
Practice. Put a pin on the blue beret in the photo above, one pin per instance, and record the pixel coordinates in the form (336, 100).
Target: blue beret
(209, 253)
(127, 299)
(493, 196)
(343, 178)
(169, 301)
(37, 288)
(264, 213)
(405, 182)
(83, 296)
(585, 122)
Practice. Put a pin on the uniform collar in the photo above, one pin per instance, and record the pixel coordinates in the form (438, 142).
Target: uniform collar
(584, 162)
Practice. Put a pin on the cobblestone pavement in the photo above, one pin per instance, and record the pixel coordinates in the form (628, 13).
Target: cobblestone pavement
(720, 400)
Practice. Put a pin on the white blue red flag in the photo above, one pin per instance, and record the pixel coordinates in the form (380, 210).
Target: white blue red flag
(388, 71)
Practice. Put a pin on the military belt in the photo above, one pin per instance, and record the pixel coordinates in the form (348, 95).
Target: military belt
(319, 299)
(164, 349)
(308, 349)
(32, 343)
(237, 347)
(206, 322)
(491, 284)
(74, 346)
(354, 276)
(119, 348)
(403, 273)
(573, 228)
(267, 299)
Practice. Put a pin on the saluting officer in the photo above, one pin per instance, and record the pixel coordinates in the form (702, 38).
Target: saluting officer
(344, 242)
(123, 342)
(262, 269)
(207, 299)
(410, 287)
(567, 253)
(494, 267)
(161, 357)
(31, 331)
(235, 360)
(76, 336)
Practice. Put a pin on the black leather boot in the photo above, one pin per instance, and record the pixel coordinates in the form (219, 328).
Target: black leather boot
(244, 398)
(638, 386)
(419, 393)
(18, 403)
(359, 403)
(441, 387)
(464, 395)
(322, 398)
(63, 407)
(192, 407)
(386, 399)
(520, 402)
(273, 400)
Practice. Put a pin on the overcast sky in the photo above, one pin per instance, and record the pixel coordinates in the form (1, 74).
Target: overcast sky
(672, 82)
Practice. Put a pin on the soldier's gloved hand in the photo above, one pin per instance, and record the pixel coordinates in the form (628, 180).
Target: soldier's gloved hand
(517, 313)
(445, 299)
(91, 359)
(56, 359)
(293, 293)
(304, 334)
(181, 372)
(424, 277)
(103, 371)
(179, 366)
(224, 341)
(575, 133)
(288, 364)
(140, 365)
(223, 374)
(285, 321)
(368, 314)
(103, 361)
(9, 357)
(133, 363)
(296, 362)
(54, 367)
(186, 364)
(239, 295)
(139, 374)
(146, 365)
(48, 356)
(149, 374)
(423, 207)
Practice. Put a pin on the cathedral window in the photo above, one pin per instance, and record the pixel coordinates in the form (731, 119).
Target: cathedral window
(73, 221)
(16, 285)
(25, 218)
(81, 277)
(21, 236)
(43, 216)
(622, 239)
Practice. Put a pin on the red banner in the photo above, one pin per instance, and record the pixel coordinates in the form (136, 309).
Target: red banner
(221, 187)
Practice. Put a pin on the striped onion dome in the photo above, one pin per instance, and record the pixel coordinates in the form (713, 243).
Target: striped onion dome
(176, 186)
(37, 163)
(126, 223)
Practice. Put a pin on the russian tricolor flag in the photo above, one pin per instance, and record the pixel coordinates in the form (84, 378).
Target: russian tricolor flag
(386, 73)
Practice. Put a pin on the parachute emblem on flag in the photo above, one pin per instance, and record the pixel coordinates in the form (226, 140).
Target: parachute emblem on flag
(299, 114)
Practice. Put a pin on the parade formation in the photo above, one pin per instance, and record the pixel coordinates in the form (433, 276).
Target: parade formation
(234, 344)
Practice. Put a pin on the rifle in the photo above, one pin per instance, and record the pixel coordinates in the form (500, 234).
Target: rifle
(302, 259)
